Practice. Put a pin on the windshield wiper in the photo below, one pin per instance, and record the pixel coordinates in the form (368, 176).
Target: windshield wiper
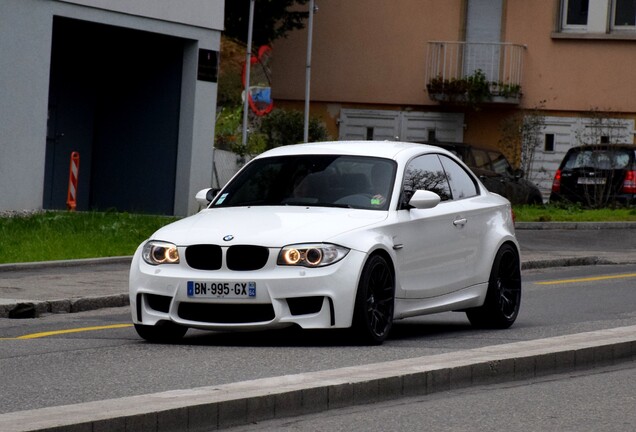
(314, 204)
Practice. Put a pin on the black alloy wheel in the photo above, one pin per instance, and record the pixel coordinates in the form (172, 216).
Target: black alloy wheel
(503, 299)
(373, 314)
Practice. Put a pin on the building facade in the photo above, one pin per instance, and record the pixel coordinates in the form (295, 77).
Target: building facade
(458, 70)
(129, 86)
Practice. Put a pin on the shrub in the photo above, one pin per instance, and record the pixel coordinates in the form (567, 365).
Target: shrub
(284, 127)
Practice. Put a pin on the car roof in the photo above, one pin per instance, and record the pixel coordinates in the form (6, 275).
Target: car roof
(604, 147)
(385, 149)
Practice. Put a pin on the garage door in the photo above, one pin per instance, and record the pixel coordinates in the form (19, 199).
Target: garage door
(380, 125)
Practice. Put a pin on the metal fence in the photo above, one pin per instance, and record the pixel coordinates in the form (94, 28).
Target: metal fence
(502, 63)
(225, 165)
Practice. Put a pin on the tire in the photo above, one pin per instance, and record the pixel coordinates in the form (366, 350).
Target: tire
(163, 332)
(373, 313)
(536, 200)
(503, 299)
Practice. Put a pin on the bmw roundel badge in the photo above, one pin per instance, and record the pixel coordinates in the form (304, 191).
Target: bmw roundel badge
(228, 237)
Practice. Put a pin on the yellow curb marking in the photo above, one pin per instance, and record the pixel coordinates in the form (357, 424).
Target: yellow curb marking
(587, 279)
(67, 331)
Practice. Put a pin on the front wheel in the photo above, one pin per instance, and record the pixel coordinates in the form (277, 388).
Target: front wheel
(373, 313)
(503, 299)
(163, 332)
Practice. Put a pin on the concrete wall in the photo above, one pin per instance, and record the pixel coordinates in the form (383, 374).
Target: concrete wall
(574, 73)
(372, 53)
(25, 43)
(25, 56)
(199, 13)
(365, 51)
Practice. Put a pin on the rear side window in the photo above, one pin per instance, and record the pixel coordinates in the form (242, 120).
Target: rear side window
(461, 183)
(482, 161)
(499, 163)
(602, 159)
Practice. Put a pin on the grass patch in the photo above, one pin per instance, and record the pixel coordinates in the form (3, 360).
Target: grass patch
(53, 235)
(551, 213)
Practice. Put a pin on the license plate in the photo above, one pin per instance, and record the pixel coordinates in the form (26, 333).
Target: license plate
(591, 181)
(221, 289)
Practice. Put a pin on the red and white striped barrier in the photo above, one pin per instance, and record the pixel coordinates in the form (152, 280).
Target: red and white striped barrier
(71, 197)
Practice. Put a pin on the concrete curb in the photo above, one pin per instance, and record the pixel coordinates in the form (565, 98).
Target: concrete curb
(10, 308)
(218, 407)
(574, 225)
(65, 263)
(568, 262)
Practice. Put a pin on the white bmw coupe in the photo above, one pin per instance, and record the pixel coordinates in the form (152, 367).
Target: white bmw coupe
(332, 235)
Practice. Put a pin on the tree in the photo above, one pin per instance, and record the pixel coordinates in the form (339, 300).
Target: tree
(272, 19)
(521, 137)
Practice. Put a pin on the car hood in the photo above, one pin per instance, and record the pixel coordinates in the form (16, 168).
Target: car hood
(266, 226)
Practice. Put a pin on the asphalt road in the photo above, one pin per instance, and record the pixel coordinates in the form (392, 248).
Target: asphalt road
(598, 400)
(68, 368)
(583, 240)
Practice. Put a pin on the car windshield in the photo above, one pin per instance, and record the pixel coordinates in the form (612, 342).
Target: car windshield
(312, 180)
(499, 163)
(598, 159)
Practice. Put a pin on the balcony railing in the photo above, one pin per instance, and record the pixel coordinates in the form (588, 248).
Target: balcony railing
(474, 72)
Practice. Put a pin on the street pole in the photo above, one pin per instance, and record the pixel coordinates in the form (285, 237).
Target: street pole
(248, 66)
(310, 29)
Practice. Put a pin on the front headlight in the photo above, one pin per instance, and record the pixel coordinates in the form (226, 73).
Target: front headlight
(160, 252)
(311, 255)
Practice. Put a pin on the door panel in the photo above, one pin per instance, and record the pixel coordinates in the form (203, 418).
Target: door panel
(439, 245)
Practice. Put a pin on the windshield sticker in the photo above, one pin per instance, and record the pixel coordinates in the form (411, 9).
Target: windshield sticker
(378, 200)
(221, 199)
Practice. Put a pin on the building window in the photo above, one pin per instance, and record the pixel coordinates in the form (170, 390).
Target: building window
(549, 143)
(575, 13)
(431, 136)
(624, 13)
(598, 17)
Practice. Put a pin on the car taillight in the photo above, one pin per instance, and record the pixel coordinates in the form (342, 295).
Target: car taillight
(556, 184)
(629, 184)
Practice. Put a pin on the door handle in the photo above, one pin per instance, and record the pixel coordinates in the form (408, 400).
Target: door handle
(460, 222)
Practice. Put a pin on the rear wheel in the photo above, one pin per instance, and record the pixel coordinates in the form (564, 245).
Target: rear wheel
(373, 314)
(536, 199)
(163, 332)
(501, 307)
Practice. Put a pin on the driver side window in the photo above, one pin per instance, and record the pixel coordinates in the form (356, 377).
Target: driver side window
(426, 173)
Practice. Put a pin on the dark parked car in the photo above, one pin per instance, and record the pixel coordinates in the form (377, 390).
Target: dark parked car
(495, 172)
(597, 175)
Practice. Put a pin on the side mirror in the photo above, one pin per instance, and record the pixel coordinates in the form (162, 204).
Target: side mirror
(517, 173)
(423, 199)
(205, 196)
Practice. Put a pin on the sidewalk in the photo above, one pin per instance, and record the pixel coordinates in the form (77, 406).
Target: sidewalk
(28, 290)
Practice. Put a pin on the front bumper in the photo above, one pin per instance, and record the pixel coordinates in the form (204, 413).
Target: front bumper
(312, 298)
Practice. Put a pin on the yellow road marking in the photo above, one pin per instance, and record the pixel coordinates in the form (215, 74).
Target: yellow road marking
(67, 331)
(587, 279)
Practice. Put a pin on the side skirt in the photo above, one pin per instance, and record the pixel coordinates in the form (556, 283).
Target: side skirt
(463, 299)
